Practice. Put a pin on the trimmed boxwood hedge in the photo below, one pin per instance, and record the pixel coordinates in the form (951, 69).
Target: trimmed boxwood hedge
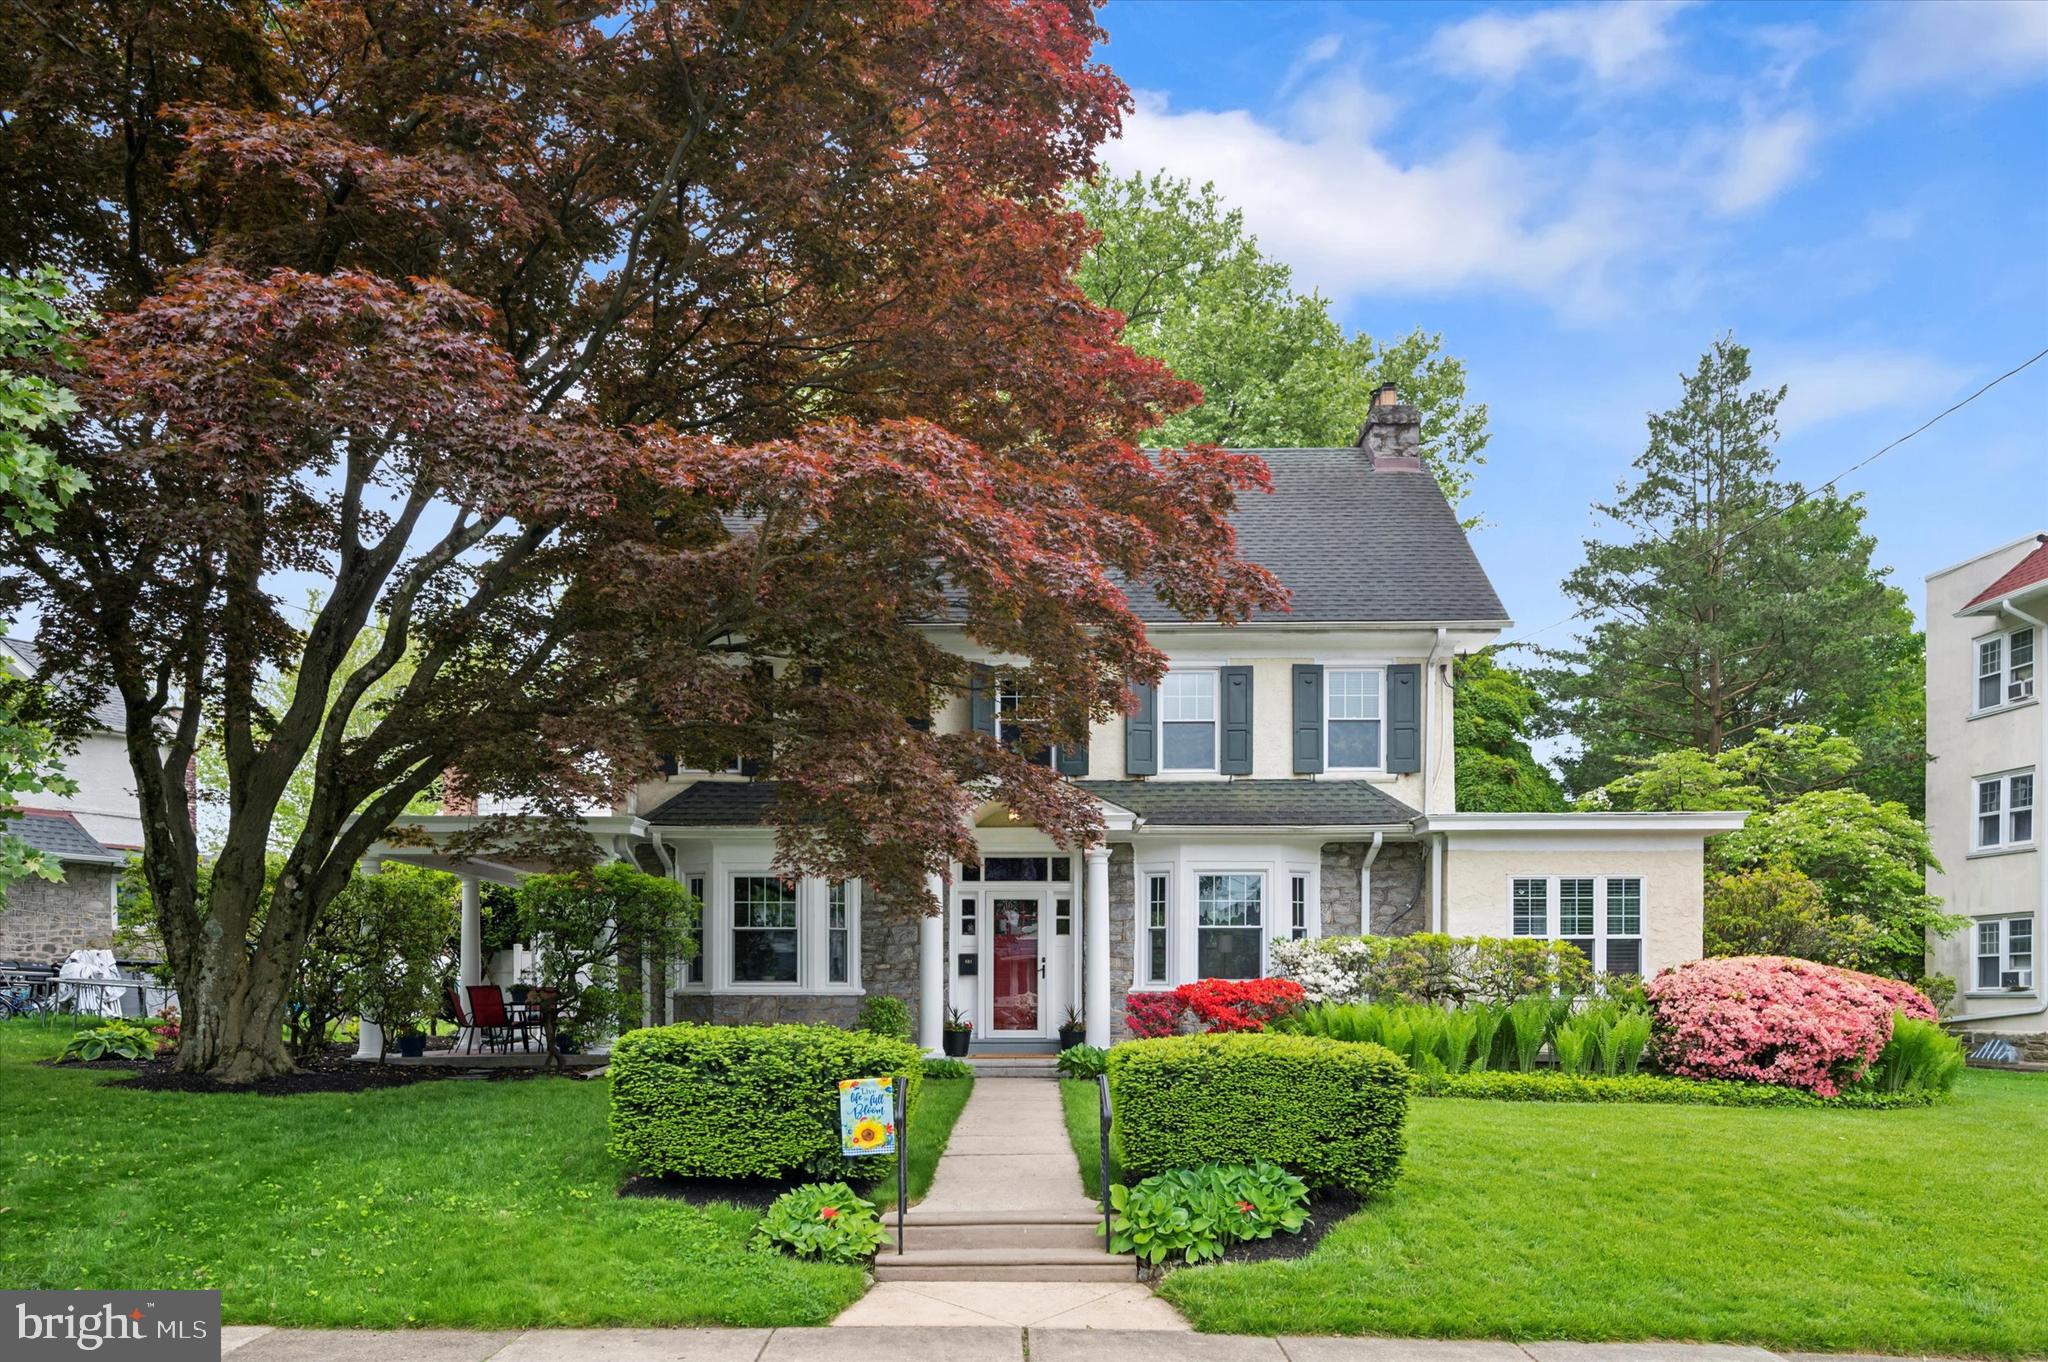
(746, 1101)
(1331, 1112)
(1505, 1086)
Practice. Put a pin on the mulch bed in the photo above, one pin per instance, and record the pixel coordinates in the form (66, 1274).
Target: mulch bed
(333, 1071)
(1325, 1209)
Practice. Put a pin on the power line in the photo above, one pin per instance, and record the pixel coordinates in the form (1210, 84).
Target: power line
(1774, 511)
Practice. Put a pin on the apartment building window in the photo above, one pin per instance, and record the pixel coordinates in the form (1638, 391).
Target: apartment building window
(1187, 722)
(2005, 811)
(1355, 711)
(2005, 669)
(1155, 929)
(1230, 933)
(2005, 953)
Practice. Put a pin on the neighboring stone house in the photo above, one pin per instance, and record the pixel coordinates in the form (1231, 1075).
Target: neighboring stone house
(1986, 743)
(1291, 777)
(105, 804)
(42, 922)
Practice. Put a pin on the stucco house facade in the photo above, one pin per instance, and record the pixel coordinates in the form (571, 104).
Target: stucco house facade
(1293, 776)
(1987, 745)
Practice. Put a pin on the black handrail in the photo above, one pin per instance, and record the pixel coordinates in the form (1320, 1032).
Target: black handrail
(1102, 1169)
(902, 1086)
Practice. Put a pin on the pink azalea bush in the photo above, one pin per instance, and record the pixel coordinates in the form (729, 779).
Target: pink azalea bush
(1773, 1019)
(1901, 995)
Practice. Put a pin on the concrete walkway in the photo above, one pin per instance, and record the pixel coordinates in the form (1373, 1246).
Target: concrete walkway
(935, 1345)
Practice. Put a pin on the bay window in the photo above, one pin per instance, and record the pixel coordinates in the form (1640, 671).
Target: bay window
(838, 934)
(1230, 934)
(764, 930)
(1155, 929)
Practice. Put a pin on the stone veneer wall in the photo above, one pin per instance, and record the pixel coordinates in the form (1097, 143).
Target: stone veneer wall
(888, 964)
(1123, 933)
(43, 922)
(1400, 889)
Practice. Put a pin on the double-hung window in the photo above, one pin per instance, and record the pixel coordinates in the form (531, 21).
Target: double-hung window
(838, 933)
(2005, 953)
(1230, 933)
(1018, 733)
(1353, 719)
(1297, 904)
(1599, 915)
(764, 930)
(1155, 929)
(1187, 722)
(2005, 669)
(1575, 915)
(1532, 907)
(2005, 811)
(1624, 925)
(694, 972)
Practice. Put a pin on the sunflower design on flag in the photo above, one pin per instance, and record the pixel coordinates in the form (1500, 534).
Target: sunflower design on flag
(869, 1133)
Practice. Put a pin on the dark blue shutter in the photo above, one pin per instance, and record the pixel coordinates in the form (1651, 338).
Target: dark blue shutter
(981, 700)
(667, 765)
(1308, 718)
(1141, 734)
(1073, 759)
(750, 766)
(1237, 722)
(1404, 718)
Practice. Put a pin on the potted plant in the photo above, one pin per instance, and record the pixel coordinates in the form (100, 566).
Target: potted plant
(958, 1031)
(411, 1042)
(1072, 1030)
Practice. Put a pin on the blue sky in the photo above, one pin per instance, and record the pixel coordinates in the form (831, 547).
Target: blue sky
(1581, 197)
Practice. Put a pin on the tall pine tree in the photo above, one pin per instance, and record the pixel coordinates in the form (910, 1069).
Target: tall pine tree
(1729, 602)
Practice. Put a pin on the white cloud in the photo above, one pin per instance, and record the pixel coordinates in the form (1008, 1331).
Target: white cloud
(1823, 388)
(1762, 160)
(1974, 45)
(1348, 215)
(1614, 44)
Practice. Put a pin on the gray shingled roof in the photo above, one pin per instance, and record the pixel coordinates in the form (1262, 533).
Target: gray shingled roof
(1166, 803)
(1253, 803)
(109, 713)
(59, 835)
(717, 804)
(1356, 546)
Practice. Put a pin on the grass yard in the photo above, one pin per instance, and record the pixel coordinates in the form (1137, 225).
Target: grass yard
(1897, 1232)
(467, 1204)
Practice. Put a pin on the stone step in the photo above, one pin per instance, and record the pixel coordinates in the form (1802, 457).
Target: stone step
(1078, 1238)
(1034, 1066)
(1110, 1270)
(1062, 1215)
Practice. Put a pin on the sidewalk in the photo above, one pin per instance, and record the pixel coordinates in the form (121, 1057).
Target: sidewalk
(249, 1344)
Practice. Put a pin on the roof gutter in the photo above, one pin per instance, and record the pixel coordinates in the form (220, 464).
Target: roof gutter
(2040, 853)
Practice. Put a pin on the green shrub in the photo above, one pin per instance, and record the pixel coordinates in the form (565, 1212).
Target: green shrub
(885, 1015)
(111, 1038)
(1528, 1026)
(1919, 1058)
(1547, 1086)
(1195, 1213)
(948, 1068)
(1330, 1111)
(1083, 1061)
(824, 1220)
(745, 1101)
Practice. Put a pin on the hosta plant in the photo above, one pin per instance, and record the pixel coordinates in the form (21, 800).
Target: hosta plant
(1082, 1061)
(822, 1220)
(113, 1038)
(1193, 1214)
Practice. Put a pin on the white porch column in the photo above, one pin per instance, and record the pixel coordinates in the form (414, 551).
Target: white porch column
(931, 970)
(369, 1035)
(1097, 962)
(472, 932)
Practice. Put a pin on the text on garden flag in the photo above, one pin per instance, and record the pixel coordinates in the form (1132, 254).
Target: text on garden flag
(866, 1123)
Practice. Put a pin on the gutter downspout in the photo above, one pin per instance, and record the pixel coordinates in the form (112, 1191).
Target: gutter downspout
(1372, 853)
(1436, 882)
(2040, 844)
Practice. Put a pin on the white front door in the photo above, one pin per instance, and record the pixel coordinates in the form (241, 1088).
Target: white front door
(1016, 967)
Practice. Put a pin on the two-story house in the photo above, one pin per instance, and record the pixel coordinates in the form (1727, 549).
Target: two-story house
(1987, 620)
(1292, 776)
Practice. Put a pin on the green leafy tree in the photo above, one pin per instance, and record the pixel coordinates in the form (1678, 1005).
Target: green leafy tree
(1497, 772)
(379, 950)
(1774, 909)
(579, 925)
(1774, 766)
(1732, 602)
(1276, 370)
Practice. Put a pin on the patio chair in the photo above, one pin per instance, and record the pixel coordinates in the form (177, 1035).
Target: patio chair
(488, 1013)
(465, 1027)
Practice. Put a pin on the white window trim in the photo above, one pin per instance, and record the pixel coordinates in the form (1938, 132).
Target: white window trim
(1215, 676)
(2004, 923)
(2006, 841)
(2006, 700)
(1553, 915)
(1329, 692)
(1195, 928)
(813, 897)
(1007, 699)
(1155, 971)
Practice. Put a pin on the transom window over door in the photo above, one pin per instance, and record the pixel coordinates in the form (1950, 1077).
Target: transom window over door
(1230, 933)
(1187, 721)
(2005, 953)
(1355, 712)
(764, 930)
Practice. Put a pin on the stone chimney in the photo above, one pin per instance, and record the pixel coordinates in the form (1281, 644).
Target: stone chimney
(1392, 433)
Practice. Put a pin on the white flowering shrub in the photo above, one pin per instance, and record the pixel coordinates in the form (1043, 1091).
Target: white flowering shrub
(1331, 969)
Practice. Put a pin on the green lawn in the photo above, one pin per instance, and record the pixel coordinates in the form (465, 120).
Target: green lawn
(474, 1204)
(1891, 1231)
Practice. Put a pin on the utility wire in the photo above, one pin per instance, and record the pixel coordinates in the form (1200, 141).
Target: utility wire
(1775, 511)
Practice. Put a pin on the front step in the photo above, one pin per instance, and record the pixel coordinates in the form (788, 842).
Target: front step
(1005, 1265)
(1078, 1238)
(1021, 1066)
(919, 1216)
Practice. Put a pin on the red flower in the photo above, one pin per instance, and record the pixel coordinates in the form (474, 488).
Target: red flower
(827, 1213)
(1245, 1206)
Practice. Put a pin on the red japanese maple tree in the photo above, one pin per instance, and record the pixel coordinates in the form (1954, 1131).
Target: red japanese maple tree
(660, 371)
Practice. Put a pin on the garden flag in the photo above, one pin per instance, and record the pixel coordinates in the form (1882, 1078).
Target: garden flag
(866, 1123)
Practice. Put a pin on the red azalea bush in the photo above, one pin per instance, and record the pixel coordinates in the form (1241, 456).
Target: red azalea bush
(1771, 1019)
(1240, 1004)
(1150, 1015)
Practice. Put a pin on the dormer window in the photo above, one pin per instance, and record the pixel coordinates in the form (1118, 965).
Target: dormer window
(2005, 669)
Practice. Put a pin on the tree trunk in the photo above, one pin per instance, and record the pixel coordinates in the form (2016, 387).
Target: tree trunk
(231, 1010)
